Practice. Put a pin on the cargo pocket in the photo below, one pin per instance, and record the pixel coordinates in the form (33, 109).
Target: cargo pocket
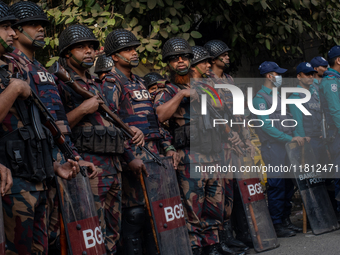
(99, 139)
(110, 145)
(15, 150)
(87, 139)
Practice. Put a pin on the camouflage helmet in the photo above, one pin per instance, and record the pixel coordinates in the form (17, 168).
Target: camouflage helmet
(176, 46)
(152, 78)
(75, 34)
(6, 14)
(119, 39)
(216, 48)
(28, 11)
(103, 64)
(200, 54)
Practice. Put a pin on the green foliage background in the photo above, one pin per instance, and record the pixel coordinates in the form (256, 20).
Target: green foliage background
(271, 28)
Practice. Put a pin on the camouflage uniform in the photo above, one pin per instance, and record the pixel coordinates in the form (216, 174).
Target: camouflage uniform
(134, 106)
(106, 187)
(202, 197)
(25, 205)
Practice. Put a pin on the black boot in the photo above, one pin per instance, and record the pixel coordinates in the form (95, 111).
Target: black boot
(281, 231)
(212, 250)
(222, 247)
(288, 224)
(196, 251)
(229, 237)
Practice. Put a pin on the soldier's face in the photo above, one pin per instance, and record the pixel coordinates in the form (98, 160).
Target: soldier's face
(204, 66)
(34, 29)
(225, 60)
(6, 33)
(306, 78)
(84, 52)
(179, 62)
(129, 53)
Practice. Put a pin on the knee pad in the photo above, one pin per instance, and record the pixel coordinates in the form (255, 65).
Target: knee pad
(133, 220)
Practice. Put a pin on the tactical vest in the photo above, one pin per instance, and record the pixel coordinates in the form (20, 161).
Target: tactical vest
(263, 136)
(96, 139)
(141, 113)
(198, 134)
(312, 123)
(324, 102)
(28, 150)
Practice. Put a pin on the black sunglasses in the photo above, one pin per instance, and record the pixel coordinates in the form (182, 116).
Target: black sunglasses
(183, 57)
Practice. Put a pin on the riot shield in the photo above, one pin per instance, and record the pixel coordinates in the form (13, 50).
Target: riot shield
(254, 203)
(83, 231)
(312, 188)
(164, 198)
(2, 230)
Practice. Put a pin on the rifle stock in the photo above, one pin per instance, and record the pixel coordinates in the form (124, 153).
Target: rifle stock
(64, 76)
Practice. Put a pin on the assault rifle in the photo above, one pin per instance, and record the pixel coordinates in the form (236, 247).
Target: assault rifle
(49, 122)
(104, 110)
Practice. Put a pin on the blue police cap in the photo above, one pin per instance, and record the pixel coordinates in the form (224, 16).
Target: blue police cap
(318, 61)
(334, 52)
(267, 67)
(304, 67)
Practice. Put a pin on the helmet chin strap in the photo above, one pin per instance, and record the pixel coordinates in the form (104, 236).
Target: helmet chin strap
(7, 47)
(133, 63)
(204, 75)
(83, 64)
(183, 72)
(35, 43)
(225, 64)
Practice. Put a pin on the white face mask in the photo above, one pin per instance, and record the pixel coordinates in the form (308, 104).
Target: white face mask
(278, 81)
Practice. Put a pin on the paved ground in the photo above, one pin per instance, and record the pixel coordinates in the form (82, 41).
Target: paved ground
(325, 244)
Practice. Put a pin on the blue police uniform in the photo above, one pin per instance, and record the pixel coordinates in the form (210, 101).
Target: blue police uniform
(309, 125)
(273, 140)
(330, 102)
(316, 62)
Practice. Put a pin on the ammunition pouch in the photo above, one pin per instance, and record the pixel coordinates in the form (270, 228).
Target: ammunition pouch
(199, 139)
(26, 156)
(98, 139)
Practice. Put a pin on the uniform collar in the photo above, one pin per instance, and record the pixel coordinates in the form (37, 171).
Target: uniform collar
(89, 78)
(316, 81)
(21, 54)
(333, 70)
(268, 90)
(120, 73)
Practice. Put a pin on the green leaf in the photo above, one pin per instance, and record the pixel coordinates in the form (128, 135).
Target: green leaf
(152, 4)
(105, 14)
(68, 2)
(196, 34)
(160, 3)
(149, 48)
(90, 3)
(111, 22)
(133, 22)
(56, 41)
(135, 4)
(173, 11)
(178, 5)
(174, 28)
(164, 33)
(169, 2)
(315, 15)
(89, 20)
(51, 62)
(69, 20)
(315, 2)
(138, 28)
(185, 27)
(186, 36)
(47, 40)
(268, 44)
(128, 8)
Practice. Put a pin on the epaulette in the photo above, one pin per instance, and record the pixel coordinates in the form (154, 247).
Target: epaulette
(110, 79)
(257, 95)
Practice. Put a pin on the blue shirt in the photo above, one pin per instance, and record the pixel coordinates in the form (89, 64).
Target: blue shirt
(267, 126)
(329, 88)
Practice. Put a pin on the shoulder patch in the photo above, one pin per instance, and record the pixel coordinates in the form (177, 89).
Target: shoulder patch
(110, 79)
(259, 96)
(262, 106)
(334, 87)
